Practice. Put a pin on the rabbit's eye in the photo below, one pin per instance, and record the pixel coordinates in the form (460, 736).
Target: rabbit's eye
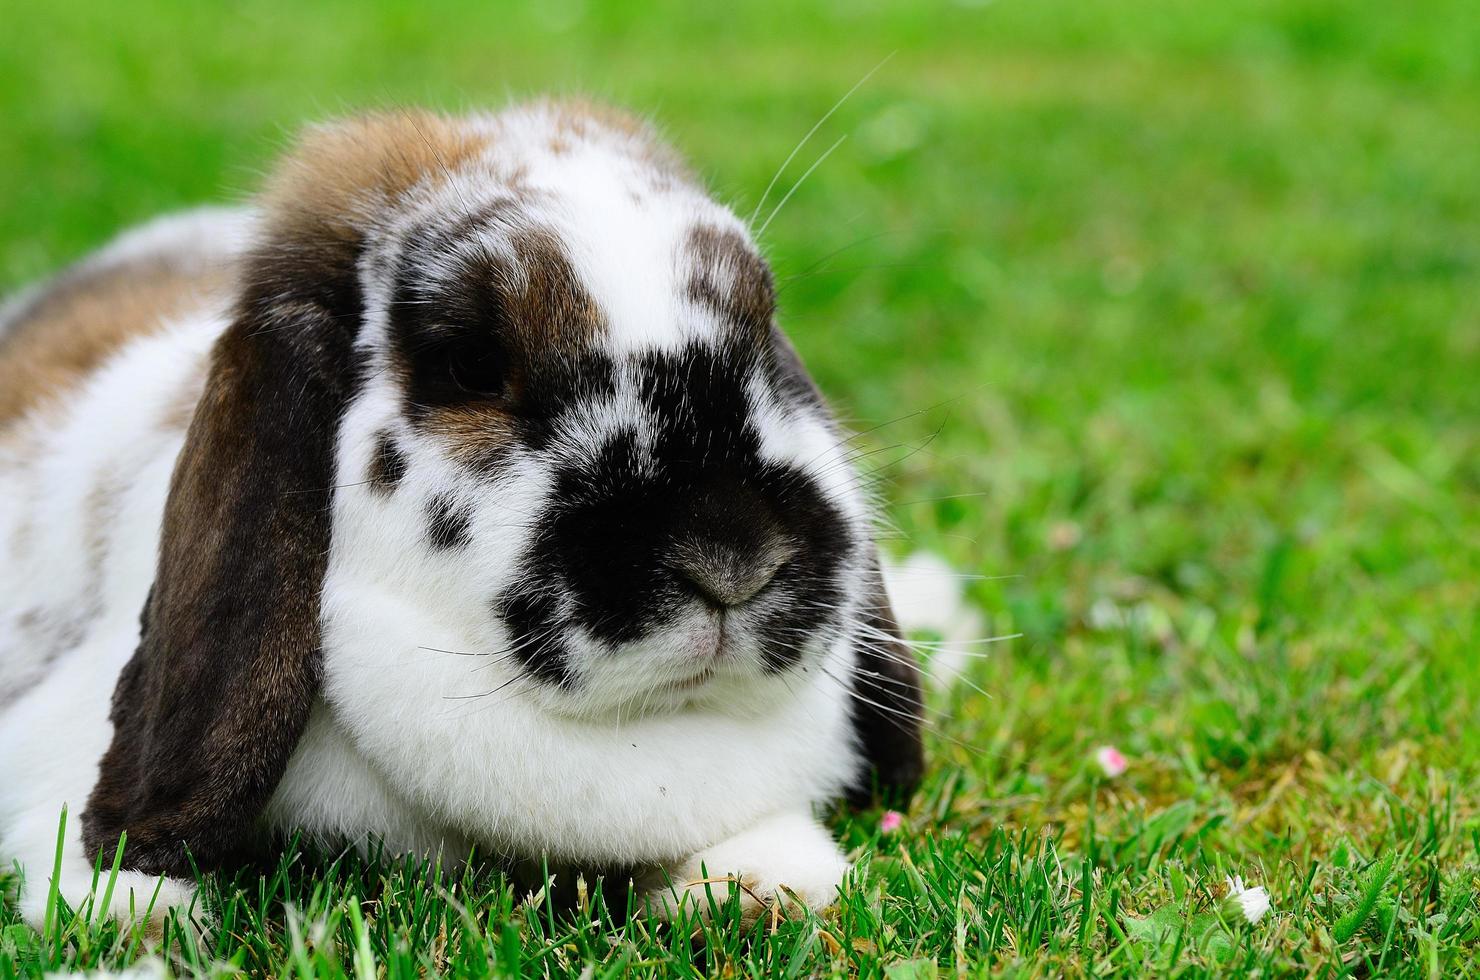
(477, 368)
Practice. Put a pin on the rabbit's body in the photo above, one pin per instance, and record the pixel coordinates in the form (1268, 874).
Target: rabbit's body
(601, 591)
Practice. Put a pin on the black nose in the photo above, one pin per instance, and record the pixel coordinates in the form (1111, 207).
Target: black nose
(725, 576)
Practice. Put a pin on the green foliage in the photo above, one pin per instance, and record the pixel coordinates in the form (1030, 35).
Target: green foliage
(1164, 319)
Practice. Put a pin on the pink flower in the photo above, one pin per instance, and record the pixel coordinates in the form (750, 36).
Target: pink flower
(891, 821)
(1111, 760)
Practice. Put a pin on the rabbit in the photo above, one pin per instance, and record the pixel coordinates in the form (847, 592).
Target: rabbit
(459, 492)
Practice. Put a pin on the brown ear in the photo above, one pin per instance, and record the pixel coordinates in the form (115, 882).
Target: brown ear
(888, 706)
(210, 707)
(214, 700)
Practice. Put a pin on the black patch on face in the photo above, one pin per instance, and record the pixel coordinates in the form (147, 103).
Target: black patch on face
(534, 627)
(453, 341)
(387, 466)
(618, 523)
(447, 526)
(558, 386)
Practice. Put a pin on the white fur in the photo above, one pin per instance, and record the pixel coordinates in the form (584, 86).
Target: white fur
(415, 741)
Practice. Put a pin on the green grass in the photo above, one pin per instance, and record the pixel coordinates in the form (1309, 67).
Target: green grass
(1186, 295)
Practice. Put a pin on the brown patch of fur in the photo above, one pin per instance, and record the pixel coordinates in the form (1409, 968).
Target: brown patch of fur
(209, 708)
(553, 310)
(340, 171)
(211, 705)
(87, 315)
(748, 298)
(477, 436)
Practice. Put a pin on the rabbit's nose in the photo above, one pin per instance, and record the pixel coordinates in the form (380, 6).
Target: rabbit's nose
(724, 576)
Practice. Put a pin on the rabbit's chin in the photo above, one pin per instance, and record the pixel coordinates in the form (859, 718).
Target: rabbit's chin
(425, 747)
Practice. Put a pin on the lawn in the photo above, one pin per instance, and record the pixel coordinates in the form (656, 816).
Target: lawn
(1165, 317)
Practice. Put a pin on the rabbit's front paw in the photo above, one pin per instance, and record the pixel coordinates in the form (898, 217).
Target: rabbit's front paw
(789, 861)
(136, 899)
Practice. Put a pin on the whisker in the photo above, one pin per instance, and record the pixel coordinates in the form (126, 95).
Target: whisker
(810, 133)
(825, 154)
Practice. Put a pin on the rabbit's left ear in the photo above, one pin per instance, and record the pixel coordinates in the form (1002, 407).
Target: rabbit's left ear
(208, 711)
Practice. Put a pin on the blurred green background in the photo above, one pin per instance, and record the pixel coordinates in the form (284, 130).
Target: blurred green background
(1176, 305)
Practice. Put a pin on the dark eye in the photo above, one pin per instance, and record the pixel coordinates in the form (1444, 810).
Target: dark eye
(477, 366)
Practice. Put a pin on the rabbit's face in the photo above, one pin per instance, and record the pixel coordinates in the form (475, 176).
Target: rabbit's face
(616, 459)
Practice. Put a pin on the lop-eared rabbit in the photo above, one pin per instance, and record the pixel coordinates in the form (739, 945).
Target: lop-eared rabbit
(460, 493)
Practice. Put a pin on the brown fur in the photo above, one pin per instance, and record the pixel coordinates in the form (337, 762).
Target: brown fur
(343, 172)
(208, 710)
(553, 312)
(87, 315)
(730, 278)
(478, 437)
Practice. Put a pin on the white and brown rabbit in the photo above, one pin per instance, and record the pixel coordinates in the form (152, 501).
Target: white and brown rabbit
(461, 493)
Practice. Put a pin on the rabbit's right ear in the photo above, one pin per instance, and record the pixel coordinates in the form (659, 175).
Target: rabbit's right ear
(211, 706)
(889, 707)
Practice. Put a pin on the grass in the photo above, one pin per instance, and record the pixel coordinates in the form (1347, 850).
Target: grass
(1185, 297)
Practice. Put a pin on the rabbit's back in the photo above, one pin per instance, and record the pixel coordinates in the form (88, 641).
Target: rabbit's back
(100, 369)
(55, 335)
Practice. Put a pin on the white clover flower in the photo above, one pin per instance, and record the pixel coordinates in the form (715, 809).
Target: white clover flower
(1251, 903)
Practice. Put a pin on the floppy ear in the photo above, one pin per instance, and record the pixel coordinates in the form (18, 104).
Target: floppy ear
(208, 711)
(889, 707)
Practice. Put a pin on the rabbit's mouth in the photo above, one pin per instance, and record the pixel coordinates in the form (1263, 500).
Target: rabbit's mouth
(708, 640)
